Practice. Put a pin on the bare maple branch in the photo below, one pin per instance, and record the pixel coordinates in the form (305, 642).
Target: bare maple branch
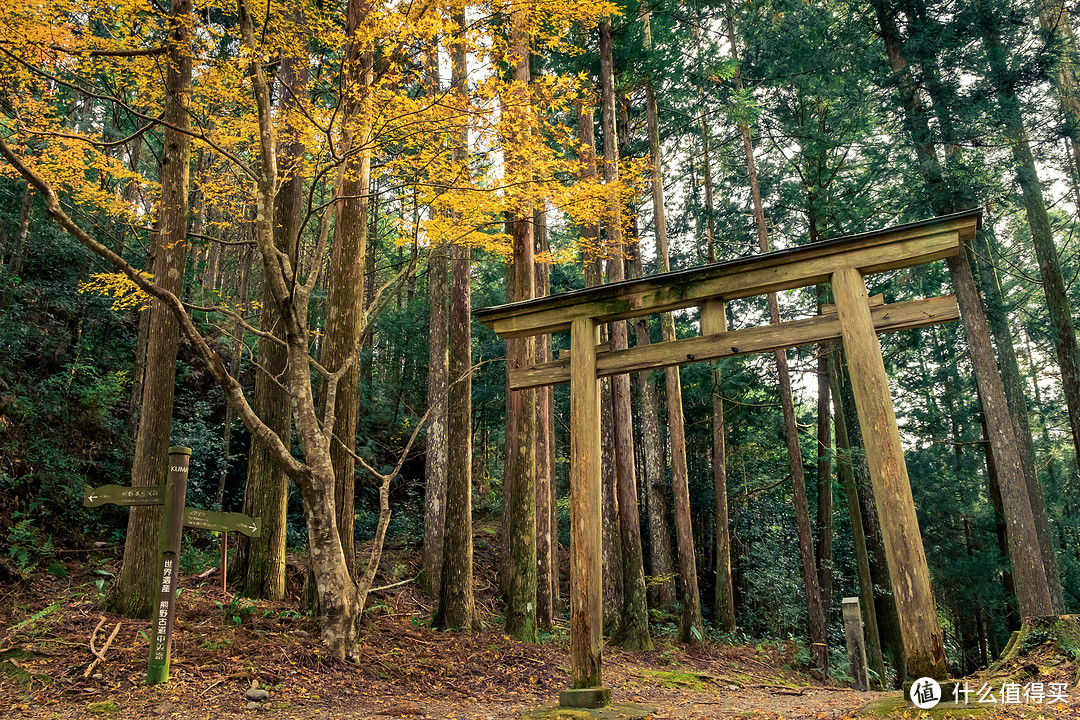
(234, 393)
(138, 52)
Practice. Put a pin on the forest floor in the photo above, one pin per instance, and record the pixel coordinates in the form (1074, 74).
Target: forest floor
(225, 645)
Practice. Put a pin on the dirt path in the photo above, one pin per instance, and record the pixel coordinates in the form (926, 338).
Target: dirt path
(225, 646)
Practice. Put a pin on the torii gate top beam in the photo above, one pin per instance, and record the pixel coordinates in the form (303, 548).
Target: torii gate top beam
(872, 252)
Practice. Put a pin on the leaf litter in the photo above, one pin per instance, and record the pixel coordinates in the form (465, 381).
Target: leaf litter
(224, 645)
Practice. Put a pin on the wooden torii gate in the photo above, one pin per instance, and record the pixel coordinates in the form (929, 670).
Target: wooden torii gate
(843, 262)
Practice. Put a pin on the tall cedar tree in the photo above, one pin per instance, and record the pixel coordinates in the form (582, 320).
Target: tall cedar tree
(520, 463)
(135, 591)
(457, 607)
(819, 649)
(662, 582)
(344, 314)
(266, 493)
(634, 625)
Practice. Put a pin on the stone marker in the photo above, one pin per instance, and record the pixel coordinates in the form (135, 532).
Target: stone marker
(257, 694)
(856, 648)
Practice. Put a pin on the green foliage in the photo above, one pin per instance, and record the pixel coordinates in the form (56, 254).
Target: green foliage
(195, 559)
(65, 362)
(235, 610)
(26, 546)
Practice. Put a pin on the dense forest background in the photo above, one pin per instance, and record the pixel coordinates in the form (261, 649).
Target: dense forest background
(856, 116)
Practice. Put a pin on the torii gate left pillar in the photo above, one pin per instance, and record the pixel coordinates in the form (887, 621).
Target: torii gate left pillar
(586, 539)
(855, 318)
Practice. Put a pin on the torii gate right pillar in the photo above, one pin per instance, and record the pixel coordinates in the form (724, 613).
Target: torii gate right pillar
(904, 552)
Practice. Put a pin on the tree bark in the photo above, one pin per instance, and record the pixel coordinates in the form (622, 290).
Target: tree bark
(135, 591)
(998, 322)
(435, 455)
(1033, 589)
(456, 606)
(1057, 302)
(714, 320)
(435, 450)
(546, 542)
(824, 484)
(344, 313)
(661, 562)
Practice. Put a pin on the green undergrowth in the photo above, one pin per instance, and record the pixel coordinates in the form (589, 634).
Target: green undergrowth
(105, 707)
(686, 680)
(615, 711)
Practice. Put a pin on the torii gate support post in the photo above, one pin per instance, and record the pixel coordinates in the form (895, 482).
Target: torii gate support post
(586, 541)
(904, 552)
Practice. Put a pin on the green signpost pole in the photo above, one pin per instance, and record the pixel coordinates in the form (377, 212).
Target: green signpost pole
(172, 525)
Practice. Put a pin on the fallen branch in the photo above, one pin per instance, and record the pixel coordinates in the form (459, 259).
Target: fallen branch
(393, 585)
(99, 655)
(790, 690)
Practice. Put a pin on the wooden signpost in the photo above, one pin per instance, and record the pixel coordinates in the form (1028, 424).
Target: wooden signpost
(174, 518)
(120, 495)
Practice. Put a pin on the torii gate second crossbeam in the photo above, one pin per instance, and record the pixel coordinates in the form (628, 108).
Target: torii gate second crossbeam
(843, 262)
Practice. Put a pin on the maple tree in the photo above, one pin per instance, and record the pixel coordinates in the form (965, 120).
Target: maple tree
(111, 59)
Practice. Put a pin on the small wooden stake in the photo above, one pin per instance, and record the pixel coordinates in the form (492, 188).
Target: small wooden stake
(224, 560)
(856, 647)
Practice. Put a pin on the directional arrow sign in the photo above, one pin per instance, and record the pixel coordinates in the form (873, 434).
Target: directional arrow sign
(120, 495)
(222, 522)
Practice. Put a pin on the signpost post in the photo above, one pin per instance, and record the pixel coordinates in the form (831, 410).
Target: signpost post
(172, 528)
(175, 517)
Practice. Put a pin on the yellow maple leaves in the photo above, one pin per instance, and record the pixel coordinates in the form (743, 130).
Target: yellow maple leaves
(83, 89)
(126, 294)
